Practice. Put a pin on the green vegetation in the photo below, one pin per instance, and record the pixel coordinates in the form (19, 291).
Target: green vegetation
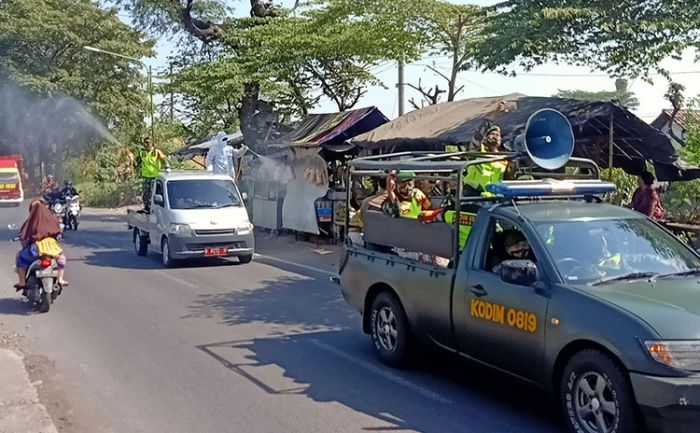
(682, 201)
(41, 53)
(621, 95)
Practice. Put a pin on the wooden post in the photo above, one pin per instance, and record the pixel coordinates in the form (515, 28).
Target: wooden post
(610, 142)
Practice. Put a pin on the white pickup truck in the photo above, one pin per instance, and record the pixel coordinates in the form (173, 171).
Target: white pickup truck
(193, 214)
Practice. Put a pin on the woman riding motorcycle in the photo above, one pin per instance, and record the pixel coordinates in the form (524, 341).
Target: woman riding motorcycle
(39, 233)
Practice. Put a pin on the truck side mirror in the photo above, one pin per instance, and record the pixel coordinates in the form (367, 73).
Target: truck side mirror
(158, 200)
(520, 272)
(244, 196)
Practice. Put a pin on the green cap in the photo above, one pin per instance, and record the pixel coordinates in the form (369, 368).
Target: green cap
(492, 128)
(405, 175)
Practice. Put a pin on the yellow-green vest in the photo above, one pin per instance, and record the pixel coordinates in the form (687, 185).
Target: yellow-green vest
(480, 175)
(150, 163)
(410, 209)
(466, 221)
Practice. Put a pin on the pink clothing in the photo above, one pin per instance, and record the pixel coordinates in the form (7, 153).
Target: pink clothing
(648, 202)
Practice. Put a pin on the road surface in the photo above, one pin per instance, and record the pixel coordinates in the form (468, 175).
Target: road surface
(215, 346)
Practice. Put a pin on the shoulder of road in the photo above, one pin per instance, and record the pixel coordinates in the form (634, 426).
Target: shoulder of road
(20, 409)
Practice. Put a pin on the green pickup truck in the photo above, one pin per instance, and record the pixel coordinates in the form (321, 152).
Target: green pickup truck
(602, 309)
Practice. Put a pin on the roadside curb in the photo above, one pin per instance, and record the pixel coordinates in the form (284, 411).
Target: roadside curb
(20, 409)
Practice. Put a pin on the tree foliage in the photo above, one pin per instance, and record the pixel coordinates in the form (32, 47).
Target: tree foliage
(621, 95)
(328, 48)
(622, 37)
(451, 31)
(682, 201)
(42, 55)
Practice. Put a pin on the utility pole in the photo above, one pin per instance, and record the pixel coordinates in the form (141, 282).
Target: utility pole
(172, 99)
(400, 85)
(150, 92)
(150, 81)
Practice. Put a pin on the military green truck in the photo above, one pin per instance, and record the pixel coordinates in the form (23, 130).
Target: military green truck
(603, 310)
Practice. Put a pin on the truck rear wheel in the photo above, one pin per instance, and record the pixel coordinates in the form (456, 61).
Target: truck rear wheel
(391, 334)
(140, 243)
(596, 396)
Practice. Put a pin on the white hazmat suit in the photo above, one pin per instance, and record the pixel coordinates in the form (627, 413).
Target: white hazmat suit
(222, 158)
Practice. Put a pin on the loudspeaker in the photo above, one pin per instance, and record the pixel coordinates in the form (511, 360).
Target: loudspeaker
(548, 139)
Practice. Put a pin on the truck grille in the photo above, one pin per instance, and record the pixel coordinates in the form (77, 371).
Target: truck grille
(215, 232)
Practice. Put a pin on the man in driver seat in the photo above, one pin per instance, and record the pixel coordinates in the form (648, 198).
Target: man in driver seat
(515, 246)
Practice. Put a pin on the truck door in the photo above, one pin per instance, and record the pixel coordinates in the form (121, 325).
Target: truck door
(157, 217)
(501, 324)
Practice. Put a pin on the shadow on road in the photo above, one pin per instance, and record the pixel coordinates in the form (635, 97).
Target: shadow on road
(121, 259)
(301, 302)
(15, 306)
(439, 394)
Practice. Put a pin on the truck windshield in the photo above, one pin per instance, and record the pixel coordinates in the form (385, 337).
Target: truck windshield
(202, 194)
(9, 177)
(600, 251)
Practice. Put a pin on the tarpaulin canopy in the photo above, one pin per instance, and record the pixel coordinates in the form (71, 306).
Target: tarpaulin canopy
(330, 131)
(634, 142)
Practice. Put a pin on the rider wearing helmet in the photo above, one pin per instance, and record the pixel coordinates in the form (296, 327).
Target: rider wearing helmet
(49, 182)
(68, 189)
(54, 195)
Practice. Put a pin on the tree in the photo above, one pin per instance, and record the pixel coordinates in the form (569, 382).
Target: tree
(622, 37)
(453, 31)
(46, 75)
(621, 95)
(330, 45)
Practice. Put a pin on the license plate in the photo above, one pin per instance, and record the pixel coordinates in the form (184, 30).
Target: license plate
(46, 274)
(213, 252)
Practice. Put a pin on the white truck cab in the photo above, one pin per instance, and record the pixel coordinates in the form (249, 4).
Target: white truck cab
(194, 214)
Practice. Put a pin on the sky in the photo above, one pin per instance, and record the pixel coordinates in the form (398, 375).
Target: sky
(544, 80)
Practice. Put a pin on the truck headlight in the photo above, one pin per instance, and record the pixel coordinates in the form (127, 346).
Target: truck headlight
(180, 229)
(244, 229)
(681, 354)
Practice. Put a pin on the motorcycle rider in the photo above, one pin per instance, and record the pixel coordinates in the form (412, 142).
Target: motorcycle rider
(48, 183)
(39, 232)
(68, 189)
(54, 195)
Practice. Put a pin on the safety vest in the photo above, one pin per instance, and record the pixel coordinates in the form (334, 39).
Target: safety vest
(612, 260)
(455, 148)
(410, 209)
(150, 163)
(466, 221)
(480, 175)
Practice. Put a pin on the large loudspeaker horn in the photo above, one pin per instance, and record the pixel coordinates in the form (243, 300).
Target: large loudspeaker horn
(548, 139)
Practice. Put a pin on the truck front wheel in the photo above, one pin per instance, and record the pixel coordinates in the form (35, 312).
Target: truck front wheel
(166, 257)
(390, 331)
(596, 396)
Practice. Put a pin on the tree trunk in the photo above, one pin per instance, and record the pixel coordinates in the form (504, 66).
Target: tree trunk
(246, 115)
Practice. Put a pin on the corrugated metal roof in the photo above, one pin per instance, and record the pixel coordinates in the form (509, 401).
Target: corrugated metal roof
(683, 118)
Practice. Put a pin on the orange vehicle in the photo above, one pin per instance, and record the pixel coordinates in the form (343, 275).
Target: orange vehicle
(11, 180)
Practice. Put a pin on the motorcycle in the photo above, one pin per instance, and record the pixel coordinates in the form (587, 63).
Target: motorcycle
(42, 283)
(71, 213)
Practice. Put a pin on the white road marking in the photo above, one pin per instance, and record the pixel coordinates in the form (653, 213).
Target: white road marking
(382, 372)
(176, 279)
(307, 267)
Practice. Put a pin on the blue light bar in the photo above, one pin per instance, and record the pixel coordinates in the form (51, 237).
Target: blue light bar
(549, 187)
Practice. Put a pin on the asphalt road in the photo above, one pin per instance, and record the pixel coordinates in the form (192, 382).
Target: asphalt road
(215, 346)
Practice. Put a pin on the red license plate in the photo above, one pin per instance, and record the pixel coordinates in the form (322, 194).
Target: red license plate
(213, 252)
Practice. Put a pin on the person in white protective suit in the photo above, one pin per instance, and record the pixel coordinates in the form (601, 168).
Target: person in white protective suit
(221, 158)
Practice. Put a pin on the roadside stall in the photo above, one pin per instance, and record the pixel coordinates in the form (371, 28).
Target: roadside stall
(604, 132)
(317, 156)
